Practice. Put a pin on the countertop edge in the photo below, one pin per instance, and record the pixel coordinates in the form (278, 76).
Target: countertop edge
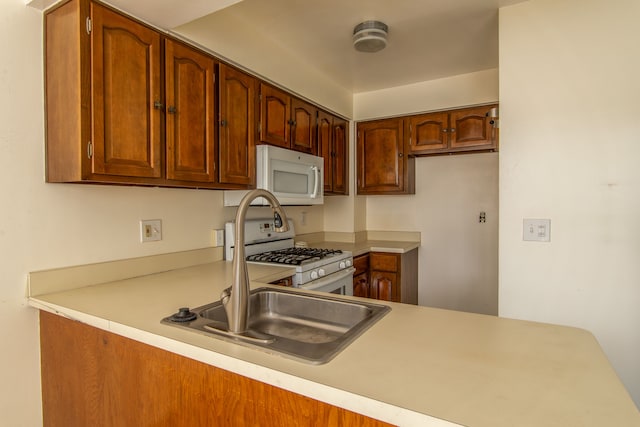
(333, 396)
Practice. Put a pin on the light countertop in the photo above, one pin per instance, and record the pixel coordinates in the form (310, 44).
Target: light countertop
(416, 366)
(361, 243)
(359, 248)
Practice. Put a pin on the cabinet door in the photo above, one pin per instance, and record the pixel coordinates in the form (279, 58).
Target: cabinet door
(190, 136)
(275, 117)
(385, 276)
(361, 285)
(471, 129)
(361, 276)
(340, 156)
(428, 133)
(237, 127)
(381, 157)
(384, 286)
(303, 126)
(126, 98)
(325, 147)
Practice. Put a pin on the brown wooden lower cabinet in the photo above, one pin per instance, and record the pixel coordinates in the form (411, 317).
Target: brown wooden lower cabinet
(361, 276)
(91, 377)
(387, 276)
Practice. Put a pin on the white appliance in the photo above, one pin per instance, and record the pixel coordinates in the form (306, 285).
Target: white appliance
(294, 178)
(325, 270)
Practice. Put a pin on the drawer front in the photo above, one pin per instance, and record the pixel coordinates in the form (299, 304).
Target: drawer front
(384, 262)
(361, 264)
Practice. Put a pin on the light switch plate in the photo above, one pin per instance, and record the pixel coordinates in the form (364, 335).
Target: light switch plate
(536, 230)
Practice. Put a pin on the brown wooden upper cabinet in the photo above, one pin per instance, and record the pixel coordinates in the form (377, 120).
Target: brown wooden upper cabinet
(104, 114)
(287, 121)
(333, 146)
(466, 129)
(111, 116)
(382, 164)
(238, 105)
(126, 104)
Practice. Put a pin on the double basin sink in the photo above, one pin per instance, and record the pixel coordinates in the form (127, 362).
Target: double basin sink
(306, 327)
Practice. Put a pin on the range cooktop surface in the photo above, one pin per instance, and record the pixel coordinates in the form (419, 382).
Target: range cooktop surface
(293, 256)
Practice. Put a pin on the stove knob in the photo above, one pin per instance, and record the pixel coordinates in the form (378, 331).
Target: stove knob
(314, 275)
(321, 272)
(348, 263)
(342, 265)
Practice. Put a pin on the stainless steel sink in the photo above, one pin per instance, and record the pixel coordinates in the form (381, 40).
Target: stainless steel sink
(309, 328)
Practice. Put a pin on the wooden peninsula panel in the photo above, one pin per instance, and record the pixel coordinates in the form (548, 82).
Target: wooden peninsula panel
(91, 377)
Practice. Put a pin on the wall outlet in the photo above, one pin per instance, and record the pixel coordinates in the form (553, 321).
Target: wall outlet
(217, 238)
(150, 230)
(536, 230)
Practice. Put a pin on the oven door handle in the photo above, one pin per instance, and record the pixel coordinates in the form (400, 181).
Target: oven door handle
(334, 277)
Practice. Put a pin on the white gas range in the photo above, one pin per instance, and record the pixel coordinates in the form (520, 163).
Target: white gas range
(327, 270)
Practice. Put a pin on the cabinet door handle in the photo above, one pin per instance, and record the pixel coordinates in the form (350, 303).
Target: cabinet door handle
(445, 130)
(453, 130)
(172, 110)
(158, 105)
(400, 154)
(223, 123)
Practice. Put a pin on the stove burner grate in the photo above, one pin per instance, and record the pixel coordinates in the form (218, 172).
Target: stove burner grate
(293, 256)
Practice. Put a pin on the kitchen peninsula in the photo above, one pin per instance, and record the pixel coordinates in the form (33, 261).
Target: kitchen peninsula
(416, 366)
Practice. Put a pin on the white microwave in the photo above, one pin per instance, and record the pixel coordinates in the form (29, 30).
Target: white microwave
(294, 178)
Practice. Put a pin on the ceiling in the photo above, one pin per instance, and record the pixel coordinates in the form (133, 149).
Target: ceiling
(428, 39)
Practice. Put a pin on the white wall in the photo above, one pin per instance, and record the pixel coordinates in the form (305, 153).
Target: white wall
(441, 94)
(458, 259)
(569, 112)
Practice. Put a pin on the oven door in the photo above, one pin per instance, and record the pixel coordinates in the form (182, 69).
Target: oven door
(340, 283)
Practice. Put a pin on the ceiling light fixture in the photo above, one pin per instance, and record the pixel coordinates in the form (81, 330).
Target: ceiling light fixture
(370, 36)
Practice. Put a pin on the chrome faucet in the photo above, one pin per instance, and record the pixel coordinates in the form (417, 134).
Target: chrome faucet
(235, 299)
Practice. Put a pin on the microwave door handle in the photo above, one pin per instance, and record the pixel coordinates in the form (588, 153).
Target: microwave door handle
(316, 173)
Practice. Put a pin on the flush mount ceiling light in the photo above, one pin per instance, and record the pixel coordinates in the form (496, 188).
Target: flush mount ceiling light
(370, 36)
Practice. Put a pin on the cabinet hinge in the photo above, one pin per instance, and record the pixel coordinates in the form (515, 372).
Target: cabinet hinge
(88, 26)
(89, 149)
